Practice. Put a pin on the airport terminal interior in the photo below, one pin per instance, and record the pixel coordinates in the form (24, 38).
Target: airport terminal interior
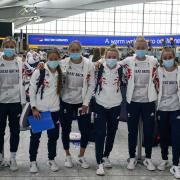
(49, 30)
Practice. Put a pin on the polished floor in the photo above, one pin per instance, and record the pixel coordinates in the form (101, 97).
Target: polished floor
(118, 157)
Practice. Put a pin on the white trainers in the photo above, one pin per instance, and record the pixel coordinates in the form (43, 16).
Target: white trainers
(175, 170)
(13, 164)
(132, 164)
(82, 161)
(33, 167)
(107, 163)
(149, 164)
(163, 165)
(100, 170)
(53, 166)
(68, 162)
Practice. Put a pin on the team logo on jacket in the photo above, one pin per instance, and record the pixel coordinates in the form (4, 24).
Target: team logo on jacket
(2, 65)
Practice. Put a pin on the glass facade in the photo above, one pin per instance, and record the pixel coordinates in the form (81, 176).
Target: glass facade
(150, 18)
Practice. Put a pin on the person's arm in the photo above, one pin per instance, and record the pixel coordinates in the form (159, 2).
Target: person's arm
(98, 63)
(91, 85)
(155, 75)
(32, 93)
(28, 68)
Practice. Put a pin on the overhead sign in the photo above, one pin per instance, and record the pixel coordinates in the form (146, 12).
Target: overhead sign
(97, 40)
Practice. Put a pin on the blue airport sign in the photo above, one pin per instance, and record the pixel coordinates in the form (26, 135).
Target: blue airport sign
(97, 40)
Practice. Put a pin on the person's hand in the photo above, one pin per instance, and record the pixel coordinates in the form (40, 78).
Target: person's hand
(97, 65)
(36, 114)
(84, 110)
(40, 66)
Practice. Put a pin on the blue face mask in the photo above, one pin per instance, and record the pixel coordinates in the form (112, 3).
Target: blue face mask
(53, 64)
(168, 63)
(111, 62)
(75, 56)
(9, 52)
(141, 53)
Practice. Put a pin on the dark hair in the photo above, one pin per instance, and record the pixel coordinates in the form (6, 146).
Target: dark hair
(59, 80)
(113, 46)
(96, 55)
(167, 49)
(102, 51)
(55, 51)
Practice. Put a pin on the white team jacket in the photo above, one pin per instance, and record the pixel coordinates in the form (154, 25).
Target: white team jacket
(160, 82)
(129, 65)
(89, 79)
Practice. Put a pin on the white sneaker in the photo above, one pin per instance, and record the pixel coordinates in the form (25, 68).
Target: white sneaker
(149, 164)
(132, 164)
(68, 162)
(107, 163)
(33, 167)
(53, 166)
(13, 164)
(82, 161)
(100, 170)
(163, 165)
(175, 170)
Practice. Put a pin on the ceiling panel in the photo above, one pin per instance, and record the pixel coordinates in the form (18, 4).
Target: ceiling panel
(22, 11)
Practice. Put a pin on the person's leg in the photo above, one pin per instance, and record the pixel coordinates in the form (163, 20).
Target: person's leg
(164, 130)
(34, 145)
(133, 121)
(53, 135)
(14, 117)
(100, 132)
(66, 121)
(3, 119)
(112, 126)
(84, 128)
(148, 117)
(175, 136)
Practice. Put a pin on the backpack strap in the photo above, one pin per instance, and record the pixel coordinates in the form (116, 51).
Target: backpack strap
(99, 81)
(41, 81)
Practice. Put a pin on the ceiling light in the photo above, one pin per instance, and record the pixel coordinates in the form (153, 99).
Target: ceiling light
(39, 20)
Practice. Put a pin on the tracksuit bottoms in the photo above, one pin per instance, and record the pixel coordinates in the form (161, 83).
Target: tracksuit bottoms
(147, 112)
(106, 125)
(169, 128)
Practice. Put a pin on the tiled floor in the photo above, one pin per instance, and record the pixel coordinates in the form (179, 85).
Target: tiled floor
(118, 157)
